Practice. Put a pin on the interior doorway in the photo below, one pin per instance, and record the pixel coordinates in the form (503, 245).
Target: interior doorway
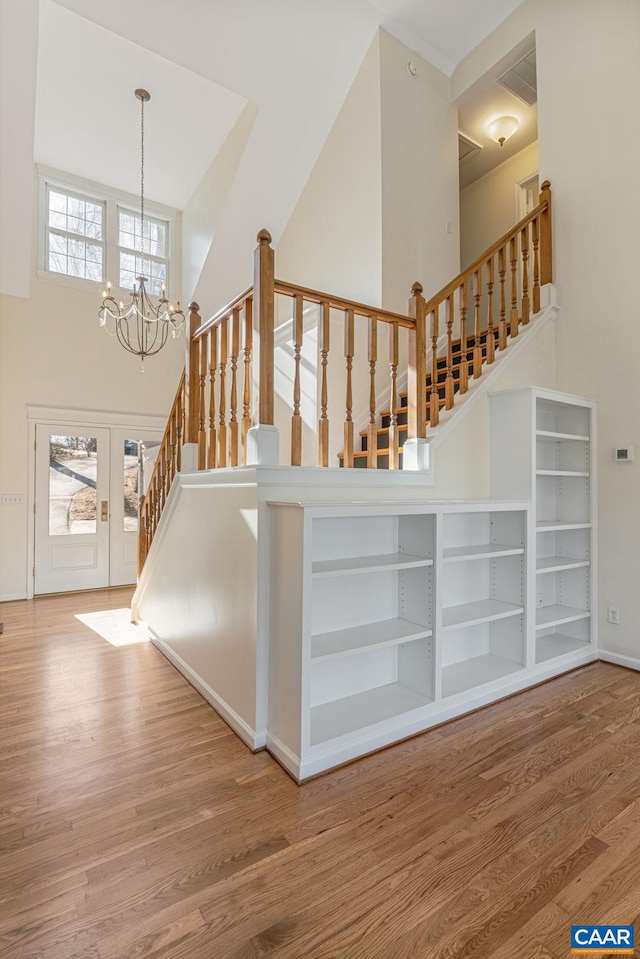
(88, 480)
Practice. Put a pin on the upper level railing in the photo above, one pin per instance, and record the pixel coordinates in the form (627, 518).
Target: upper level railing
(227, 399)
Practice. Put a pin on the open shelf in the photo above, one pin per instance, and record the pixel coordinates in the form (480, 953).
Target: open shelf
(388, 632)
(550, 525)
(547, 616)
(562, 473)
(343, 716)
(455, 554)
(482, 611)
(554, 564)
(557, 644)
(368, 564)
(553, 437)
(476, 671)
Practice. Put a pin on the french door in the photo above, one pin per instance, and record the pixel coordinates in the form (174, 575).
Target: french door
(87, 484)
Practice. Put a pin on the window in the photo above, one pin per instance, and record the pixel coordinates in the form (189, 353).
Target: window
(130, 264)
(93, 233)
(75, 235)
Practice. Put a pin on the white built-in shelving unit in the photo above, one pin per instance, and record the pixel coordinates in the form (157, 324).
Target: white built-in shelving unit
(553, 442)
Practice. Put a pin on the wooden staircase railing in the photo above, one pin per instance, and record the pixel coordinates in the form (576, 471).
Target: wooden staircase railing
(228, 384)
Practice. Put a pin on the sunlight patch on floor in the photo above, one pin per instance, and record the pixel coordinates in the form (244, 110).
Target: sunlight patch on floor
(114, 625)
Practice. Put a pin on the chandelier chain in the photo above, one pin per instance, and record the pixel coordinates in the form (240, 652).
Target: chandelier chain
(142, 186)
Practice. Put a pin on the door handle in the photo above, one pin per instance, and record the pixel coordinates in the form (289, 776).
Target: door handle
(104, 511)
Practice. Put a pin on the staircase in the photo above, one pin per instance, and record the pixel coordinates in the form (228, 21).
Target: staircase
(225, 407)
(360, 457)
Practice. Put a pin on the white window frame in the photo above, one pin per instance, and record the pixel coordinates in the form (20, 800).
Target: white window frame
(123, 208)
(48, 229)
(46, 178)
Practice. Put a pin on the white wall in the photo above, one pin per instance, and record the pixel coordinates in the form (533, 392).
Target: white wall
(488, 206)
(588, 56)
(419, 176)
(53, 353)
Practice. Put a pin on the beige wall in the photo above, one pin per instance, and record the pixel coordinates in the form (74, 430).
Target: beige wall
(488, 206)
(53, 353)
(334, 237)
(419, 176)
(588, 55)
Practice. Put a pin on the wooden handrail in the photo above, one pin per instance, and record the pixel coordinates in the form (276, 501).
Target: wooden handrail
(339, 303)
(542, 208)
(225, 311)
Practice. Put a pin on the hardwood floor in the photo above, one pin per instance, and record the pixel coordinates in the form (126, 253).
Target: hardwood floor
(134, 823)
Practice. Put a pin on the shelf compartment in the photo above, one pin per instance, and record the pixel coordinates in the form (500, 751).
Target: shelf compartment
(454, 554)
(547, 616)
(552, 437)
(554, 564)
(469, 673)
(357, 639)
(368, 564)
(555, 644)
(343, 716)
(482, 611)
(582, 473)
(551, 525)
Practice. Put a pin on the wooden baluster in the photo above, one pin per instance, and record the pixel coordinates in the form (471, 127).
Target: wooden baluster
(372, 434)
(491, 343)
(502, 272)
(222, 391)
(464, 365)
(296, 419)
(213, 439)
(536, 266)
(349, 346)
(477, 348)
(524, 246)
(246, 396)
(180, 426)
(323, 424)
(434, 397)
(192, 374)
(513, 255)
(263, 316)
(448, 380)
(394, 454)
(546, 261)
(202, 380)
(417, 368)
(235, 351)
(173, 426)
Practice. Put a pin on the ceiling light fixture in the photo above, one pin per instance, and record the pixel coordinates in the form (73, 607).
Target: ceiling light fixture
(141, 325)
(502, 128)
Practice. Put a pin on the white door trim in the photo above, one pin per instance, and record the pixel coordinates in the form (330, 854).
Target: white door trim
(87, 419)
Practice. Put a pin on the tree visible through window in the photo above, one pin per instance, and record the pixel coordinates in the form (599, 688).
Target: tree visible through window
(153, 264)
(75, 235)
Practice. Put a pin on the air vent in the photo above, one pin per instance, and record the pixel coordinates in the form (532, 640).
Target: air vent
(466, 147)
(521, 79)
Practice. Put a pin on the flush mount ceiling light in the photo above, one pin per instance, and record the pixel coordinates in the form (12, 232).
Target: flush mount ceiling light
(502, 128)
(142, 324)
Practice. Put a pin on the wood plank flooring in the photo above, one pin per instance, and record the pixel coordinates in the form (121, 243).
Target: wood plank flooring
(134, 823)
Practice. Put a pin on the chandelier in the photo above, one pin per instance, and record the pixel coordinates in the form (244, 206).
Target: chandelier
(142, 324)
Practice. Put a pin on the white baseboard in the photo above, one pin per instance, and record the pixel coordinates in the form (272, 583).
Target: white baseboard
(285, 757)
(255, 740)
(10, 597)
(619, 660)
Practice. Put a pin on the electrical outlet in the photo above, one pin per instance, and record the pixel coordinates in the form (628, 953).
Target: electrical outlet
(12, 499)
(613, 615)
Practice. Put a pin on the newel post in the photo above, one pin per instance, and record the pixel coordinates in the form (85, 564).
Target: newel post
(415, 452)
(263, 438)
(546, 249)
(189, 457)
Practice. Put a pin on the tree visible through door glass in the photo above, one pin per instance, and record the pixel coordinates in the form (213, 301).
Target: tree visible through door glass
(139, 460)
(73, 464)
